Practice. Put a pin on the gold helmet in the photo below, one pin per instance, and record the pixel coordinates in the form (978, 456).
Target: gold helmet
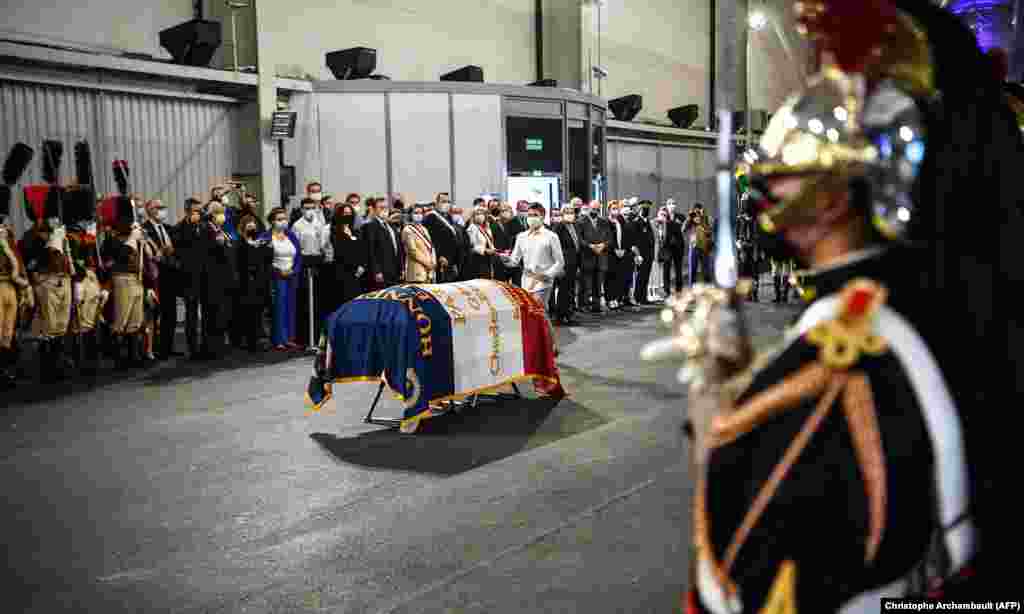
(861, 122)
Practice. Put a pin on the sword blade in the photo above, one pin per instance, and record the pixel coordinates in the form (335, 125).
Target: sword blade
(726, 269)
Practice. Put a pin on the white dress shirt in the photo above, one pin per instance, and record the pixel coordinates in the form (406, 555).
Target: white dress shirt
(284, 254)
(540, 252)
(312, 236)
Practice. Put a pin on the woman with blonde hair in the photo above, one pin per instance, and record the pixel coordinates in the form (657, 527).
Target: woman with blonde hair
(482, 251)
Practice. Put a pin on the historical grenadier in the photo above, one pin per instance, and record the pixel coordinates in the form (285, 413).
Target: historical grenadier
(89, 297)
(15, 291)
(48, 262)
(124, 256)
(748, 246)
(858, 460)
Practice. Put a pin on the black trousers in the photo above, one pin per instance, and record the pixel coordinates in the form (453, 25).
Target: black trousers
(565, 292)
(214, 341)
(170, 290)
(675, 261)
(643, 278)
(623, 278)
(192, 323)
(593, 284)
(302, 304)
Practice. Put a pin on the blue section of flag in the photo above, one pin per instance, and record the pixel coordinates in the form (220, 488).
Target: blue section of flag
(402, 332)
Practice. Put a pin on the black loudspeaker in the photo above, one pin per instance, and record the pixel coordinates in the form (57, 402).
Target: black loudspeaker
(626, 108)
(683, 117)
(545, 83)
(354, 63)
(192, 43)
(739, 121)
(473, 74)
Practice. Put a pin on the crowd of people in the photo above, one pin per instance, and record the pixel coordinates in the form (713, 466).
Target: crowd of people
(237, 271)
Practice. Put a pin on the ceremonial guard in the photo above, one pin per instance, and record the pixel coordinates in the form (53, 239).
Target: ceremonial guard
(124, 256)
(90, 298)
(15, 291)
(859, 459)
(48, 262)
(748, 246)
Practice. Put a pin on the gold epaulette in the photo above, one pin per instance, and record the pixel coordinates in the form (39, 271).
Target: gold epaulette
(844, 338)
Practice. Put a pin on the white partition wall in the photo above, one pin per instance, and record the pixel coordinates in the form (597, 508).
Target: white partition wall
(420, 134)
(477, 147)
(353, 145)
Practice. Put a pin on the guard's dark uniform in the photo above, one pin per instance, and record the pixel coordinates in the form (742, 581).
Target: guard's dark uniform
(859, 460)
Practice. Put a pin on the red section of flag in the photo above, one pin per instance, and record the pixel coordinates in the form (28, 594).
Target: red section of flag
(35, 198)
(538, 342)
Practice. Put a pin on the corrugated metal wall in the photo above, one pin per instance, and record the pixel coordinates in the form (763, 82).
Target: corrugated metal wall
(659, 171)
(175, 147)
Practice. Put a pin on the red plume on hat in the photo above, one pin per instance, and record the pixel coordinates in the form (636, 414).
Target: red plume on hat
(850, 31)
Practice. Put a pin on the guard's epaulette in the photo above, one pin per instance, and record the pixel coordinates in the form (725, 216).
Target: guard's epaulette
(848, 335)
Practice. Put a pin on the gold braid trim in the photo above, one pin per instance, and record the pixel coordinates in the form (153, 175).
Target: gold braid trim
(859, 408)
(806, 383)
(781, 470)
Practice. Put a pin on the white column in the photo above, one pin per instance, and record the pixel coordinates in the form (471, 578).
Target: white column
(267, 102)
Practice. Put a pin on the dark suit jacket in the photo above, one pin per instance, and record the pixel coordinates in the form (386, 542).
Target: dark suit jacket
(674, 240)
(168, 267)
(220, 271)
(570, 249)
(643, 237)
(445, 240)
(383, 258)
(186, 239)
(593, 231)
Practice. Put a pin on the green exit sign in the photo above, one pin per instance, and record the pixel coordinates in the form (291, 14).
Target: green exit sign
(534, 144)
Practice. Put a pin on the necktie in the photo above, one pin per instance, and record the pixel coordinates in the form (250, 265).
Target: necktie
(391, 233)
(572, 233)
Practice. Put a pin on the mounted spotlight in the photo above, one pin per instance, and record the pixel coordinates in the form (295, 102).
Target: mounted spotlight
(626, 108)
(683, 117)
(354, 63)
(472, 74)
(192, 43)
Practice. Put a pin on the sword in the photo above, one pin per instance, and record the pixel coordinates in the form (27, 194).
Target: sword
(726, 271)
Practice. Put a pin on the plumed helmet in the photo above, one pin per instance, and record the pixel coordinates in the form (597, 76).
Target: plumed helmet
(860, 120)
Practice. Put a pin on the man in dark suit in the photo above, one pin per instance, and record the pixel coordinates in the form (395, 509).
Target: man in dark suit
(566, 285)
(169, 278)
(643, 240)
(445, 238)
(595, 234)
(385, 247)
(187, 237)
(674, 246)
(461, 241)
(620, 259)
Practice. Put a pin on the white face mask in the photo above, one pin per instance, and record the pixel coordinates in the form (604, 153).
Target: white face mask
(417, 218)
(457, 219)
(308, 214)
(161, 215)
(444, 207)
(671, 208)
(280, 225)
(360, 210)
(534, 222)
(317, 196)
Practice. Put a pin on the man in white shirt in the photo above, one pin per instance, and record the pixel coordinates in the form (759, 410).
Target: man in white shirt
(539, 251)
(313, 236)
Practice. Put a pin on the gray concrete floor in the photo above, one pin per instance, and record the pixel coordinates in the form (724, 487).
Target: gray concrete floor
(195, 489)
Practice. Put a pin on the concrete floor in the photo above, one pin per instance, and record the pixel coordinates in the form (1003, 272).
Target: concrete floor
(193, 489)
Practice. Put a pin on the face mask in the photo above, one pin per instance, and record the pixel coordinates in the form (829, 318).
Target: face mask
(347, 220)
(417, 218)
(534, 222)
(457, 220)
(662, 219)
(161, 215)
(280, 225)
(53, 222)
(308, 214)
(219, 219)
(361, 210)
(444, 207)
(671, 208)
(90, 228)
(317, 196)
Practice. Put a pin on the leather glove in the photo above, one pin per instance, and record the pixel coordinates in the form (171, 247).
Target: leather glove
(639, 260)
(359, 272)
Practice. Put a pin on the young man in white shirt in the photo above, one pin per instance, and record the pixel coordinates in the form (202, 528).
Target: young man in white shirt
(313, 237)
(539, 251)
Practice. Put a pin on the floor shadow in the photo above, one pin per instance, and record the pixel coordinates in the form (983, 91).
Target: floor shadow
(181, 369)
(451, 444)
(653, 390)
